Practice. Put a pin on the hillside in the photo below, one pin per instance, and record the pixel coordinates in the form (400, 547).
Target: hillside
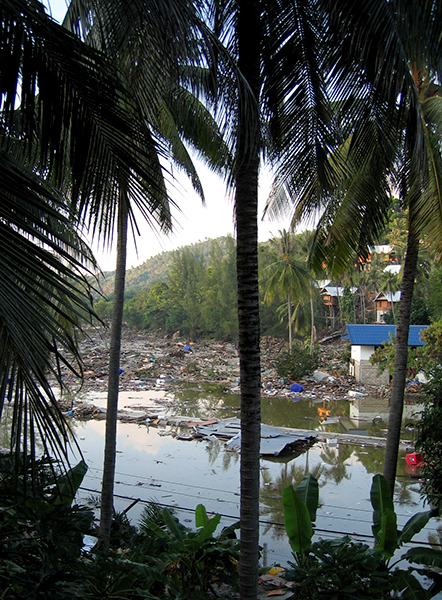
(154, 269)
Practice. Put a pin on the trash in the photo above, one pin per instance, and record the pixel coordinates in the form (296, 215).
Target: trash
(296, 387)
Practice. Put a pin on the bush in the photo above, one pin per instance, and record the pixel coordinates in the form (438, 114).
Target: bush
(296, 364)
(429, 440)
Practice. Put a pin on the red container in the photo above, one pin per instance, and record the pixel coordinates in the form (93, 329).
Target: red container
(415, 458)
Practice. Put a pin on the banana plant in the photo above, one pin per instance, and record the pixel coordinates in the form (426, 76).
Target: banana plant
(300, 506)
(387, 537)
(314, 561)
(190, 559)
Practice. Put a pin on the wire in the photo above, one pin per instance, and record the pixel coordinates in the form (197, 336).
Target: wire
(327, 532)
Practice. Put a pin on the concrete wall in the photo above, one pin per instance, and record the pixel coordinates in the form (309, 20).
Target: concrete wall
(367, 374)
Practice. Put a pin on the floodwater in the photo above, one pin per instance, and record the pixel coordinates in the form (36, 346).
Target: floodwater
(152, 465)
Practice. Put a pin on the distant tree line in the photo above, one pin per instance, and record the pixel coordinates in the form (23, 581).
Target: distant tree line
(197, 295)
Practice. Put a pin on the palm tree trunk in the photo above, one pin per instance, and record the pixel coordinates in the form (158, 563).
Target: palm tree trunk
(400, 359)
(110, 446)
(246, 207)
(312, 320)
(289, 315)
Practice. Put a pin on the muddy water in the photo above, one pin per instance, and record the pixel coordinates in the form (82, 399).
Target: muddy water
(153, 465)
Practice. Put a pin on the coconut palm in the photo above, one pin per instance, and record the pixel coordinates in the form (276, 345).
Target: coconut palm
(170, 115)
(390, 281)
(285, 277)
(70, 107)
(396, 146)
(121, 142)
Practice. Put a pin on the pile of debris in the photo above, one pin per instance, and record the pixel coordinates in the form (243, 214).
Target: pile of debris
(149, 362)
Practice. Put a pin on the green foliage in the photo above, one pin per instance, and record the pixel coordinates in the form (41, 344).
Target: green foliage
(348, 306)
(429, 439)
(434, 295)
(296, 364)
(42, 556)
(430, 355)
(297, 521)
(41, 534)
(188, 561)
(383, 357)
(419, 312)
(341, 568)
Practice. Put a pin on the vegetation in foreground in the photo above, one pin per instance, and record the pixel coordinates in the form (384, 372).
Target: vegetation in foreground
(43, 555)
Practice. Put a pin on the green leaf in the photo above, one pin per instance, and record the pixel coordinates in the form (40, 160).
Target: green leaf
(424, 556)
(387, 534)
(308, 491)
(201, 518)
(414, 525)
(381, 501)
(68, 484)
(297, 521)
(410, 587)
(151, 526)
(207, 525)
(173, 524)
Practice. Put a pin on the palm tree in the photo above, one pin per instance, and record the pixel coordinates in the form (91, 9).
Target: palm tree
(390, 281)
(285, 276)
(68, 92)
(393, 141)
(169, 116)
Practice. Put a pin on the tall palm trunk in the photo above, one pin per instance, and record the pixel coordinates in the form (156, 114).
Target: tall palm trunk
(400, 358)
(110, 446)
(246, 206)
(289, 315)
(312, 321)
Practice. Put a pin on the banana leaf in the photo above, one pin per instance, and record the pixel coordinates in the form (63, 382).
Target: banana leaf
(381, 501)
(297, 521)
(413, 526)
(386, 541)
(207, 525)
(424, 556)
(308, 491)
(68, 484)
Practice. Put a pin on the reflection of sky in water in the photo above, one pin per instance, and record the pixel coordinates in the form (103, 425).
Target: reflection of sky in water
(183, 474)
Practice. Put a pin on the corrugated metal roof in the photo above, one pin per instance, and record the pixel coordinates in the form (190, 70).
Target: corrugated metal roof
(390, 296)
(375, 335)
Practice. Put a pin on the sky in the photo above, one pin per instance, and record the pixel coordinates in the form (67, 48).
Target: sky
(193, 222)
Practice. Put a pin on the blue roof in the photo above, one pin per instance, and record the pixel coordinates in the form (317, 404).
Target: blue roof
(375, 335)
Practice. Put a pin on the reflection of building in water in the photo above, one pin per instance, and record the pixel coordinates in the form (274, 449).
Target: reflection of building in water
(363, 411)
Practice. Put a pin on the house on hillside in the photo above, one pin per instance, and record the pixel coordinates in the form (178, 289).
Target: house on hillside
(331, 295)
(386, 252)
(364, 340)
(384, 302)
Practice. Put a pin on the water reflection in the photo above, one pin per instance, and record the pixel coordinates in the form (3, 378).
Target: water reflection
(335, 457)
(152, 465)
(272, 484)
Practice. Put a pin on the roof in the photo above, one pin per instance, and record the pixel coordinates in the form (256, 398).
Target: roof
(395, 269)
(375, 335)
(390, 296)
(381, 249)
(335, 290)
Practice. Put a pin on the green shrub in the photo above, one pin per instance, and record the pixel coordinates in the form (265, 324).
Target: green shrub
(296, 364)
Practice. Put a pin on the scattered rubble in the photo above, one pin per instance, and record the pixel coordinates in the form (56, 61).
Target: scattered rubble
(149, 362)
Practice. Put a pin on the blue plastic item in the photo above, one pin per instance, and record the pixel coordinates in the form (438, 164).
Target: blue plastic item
(296, 387)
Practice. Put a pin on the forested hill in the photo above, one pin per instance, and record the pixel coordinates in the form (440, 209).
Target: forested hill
(154, 269)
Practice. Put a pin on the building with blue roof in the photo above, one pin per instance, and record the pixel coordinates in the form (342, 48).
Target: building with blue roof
(364, 340)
